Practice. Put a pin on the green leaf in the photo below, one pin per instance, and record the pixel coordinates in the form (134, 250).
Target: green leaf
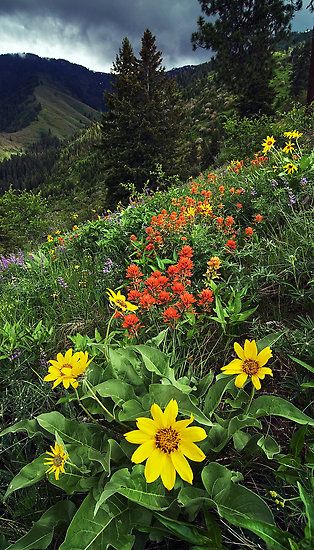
(28, 475)
(269, 340)
(117, 390)
(88, 435)
(269, 446)
(153, 358)
(162, 394)
(271, 405)
(41, 534)
(204, 384)
(110, 526)
(126, 366)
(185, 531)
(30, 426)
(133, 486)
(130, 411)
(233, 502)
(216, 393)
(302, 363)
(309, 512)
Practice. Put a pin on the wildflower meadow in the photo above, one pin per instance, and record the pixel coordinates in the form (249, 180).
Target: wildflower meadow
(156, 363)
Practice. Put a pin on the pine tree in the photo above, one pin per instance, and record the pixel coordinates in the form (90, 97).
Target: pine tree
(243, 36)
(143, 124)
(120, 121)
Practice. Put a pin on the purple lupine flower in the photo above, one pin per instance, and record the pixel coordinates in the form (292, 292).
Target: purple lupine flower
(15, 354)
(62, 283)
(253, 192)
(12, 259)
(108, 265)
(303, 181)
(43, 359)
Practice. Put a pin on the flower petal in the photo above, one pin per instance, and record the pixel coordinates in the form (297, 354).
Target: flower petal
(234, 367)
(57, 382)
(66, 382)
(171, 412)
(265, 370)
(68, 355)
(250, 349)
(182, 424)
(193, 434)
(154, 465)
(182, 466)
(136, 436)
(168, 473)
(147, 425)
(239, 350)
(264, 356)
(50, 377)
(60, 359)
(143, 451)
(157, 415)
(192, 451)
(256, 382)
(240, 380)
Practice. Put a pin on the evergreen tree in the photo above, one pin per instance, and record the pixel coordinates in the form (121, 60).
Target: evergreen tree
(120, 120)
(243, 36)
(142, 126)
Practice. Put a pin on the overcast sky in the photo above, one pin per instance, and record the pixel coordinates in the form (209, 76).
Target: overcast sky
(90, 32)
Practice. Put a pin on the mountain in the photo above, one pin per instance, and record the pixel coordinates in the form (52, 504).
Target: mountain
(40, 96)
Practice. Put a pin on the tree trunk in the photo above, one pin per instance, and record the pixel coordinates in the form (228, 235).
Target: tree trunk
(310, 90)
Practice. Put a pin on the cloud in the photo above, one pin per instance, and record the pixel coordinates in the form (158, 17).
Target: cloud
(90, 32)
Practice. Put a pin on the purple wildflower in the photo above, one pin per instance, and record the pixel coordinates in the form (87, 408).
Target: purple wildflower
(15, 355)
(12, 259)
(108, 265)
(62, 282)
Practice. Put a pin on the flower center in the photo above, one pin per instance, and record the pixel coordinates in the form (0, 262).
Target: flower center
(250, 367)
(167, 440)
(57, 461)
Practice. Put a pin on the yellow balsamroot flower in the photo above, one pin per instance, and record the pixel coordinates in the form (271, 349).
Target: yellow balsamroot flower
(293, 135)
(250, 363)
(56, 460)
(120, 301)
(289, 147)
(67, 368)
(50, 238)
(268, 143)
(290, 168)
(164, 444)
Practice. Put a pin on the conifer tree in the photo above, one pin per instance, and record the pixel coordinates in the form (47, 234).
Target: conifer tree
(242, 37)
(120, 120)
(143, 124)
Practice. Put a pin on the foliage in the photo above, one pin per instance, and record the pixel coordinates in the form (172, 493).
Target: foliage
(250, 39)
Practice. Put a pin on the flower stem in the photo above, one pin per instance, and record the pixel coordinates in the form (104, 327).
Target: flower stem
(98, 400)
(250, 401)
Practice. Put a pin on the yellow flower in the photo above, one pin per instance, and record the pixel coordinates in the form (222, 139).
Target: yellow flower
(289, 147)
(293, 135)
(75, 228)
(52, 251)
(57, 460)
(50, 239)
(74, 216)
(289, 168)
(120, 301)
(190, 212)
(58, 232)
(67, 368)
(77, 266)
(164, 442)
(214, 263)
(250, 363)
(268, 143)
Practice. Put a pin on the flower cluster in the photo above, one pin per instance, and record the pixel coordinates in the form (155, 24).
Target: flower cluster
(67, 368)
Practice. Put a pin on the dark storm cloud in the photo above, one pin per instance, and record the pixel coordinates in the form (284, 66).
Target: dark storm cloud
(90, 31)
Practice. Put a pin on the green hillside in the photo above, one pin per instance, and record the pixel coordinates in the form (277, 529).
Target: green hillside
(61, 115)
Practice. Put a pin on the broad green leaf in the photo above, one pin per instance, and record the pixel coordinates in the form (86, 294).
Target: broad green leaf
(233, 501)
(219, 436)
(130, 411)
(297, 441)
(109, 527)
(204, 384)
(216, 393)
(269, 340)
(162, 394)
(153, 358)
(240, 440)
(185, 531)
(126, 366)
(275, 538)
(133, 486)
(271, 405)
(117, 390)
(28, 475)
(30, 426)
(309, 512)
(269, 446)
(41, 534)
(71, 431)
